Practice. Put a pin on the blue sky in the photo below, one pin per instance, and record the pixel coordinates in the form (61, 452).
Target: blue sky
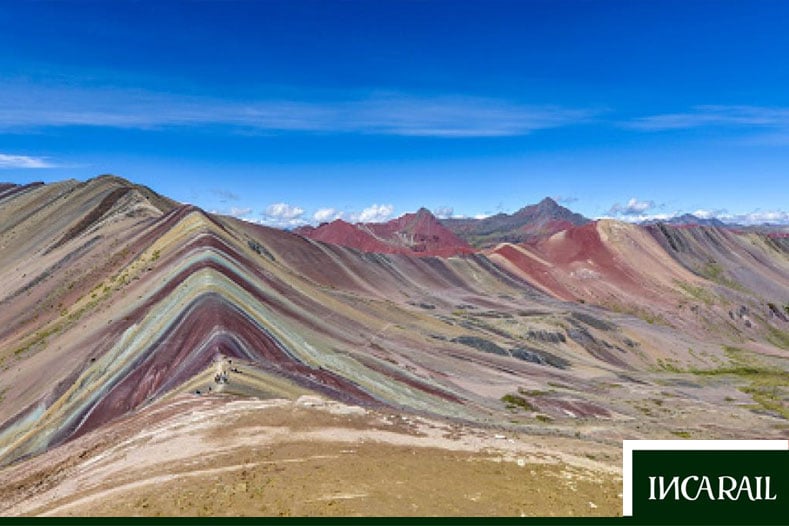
(295, 111)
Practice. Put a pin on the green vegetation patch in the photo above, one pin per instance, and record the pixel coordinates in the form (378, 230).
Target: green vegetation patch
(533, 392)
(766, 385)
(778, 337)
(647, 315)
(714, 272)
(670, 365)
(699, 293)
(515, 402)
(39, 338)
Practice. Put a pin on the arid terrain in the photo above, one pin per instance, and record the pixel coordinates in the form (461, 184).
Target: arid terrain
(310, 457)
(156, 359)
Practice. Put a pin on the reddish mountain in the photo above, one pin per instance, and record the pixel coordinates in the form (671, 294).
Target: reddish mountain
(419, 234)
(340, 232)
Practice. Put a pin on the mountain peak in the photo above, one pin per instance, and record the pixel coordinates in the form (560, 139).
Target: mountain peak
(548, 202)
(111, 178)
(547, 206)
(530, 223)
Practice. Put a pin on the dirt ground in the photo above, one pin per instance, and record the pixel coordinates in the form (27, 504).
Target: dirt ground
(315, 479)
(216, 456)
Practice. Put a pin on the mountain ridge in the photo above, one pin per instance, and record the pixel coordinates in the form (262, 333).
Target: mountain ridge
(418, 233)
(117, 311)
(530, 223)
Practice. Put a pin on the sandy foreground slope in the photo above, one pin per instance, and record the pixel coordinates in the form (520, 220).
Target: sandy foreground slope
(217, 455)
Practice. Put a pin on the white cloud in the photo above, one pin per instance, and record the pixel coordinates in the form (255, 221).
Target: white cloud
(282, 215)
(634, 207)
(225, 195)
(326, 215)
(703, 213)
(757, 217)
(239, 212)
(373, 214)
(243, 213)
(700, 116)
(776, 217)
(444, 212)
(27, 105)
(456, 116)
(24, 161)
(284, 211)
(566, 200)
(640, 218)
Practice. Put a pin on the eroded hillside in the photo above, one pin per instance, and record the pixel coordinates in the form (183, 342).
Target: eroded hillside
(118, 305)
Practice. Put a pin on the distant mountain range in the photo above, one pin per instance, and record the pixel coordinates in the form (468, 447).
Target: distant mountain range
(528, 224)
(420, 233)
(714, 222)
(688, 219)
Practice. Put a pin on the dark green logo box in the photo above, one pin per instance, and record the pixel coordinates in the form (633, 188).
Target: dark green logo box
(725, 471)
